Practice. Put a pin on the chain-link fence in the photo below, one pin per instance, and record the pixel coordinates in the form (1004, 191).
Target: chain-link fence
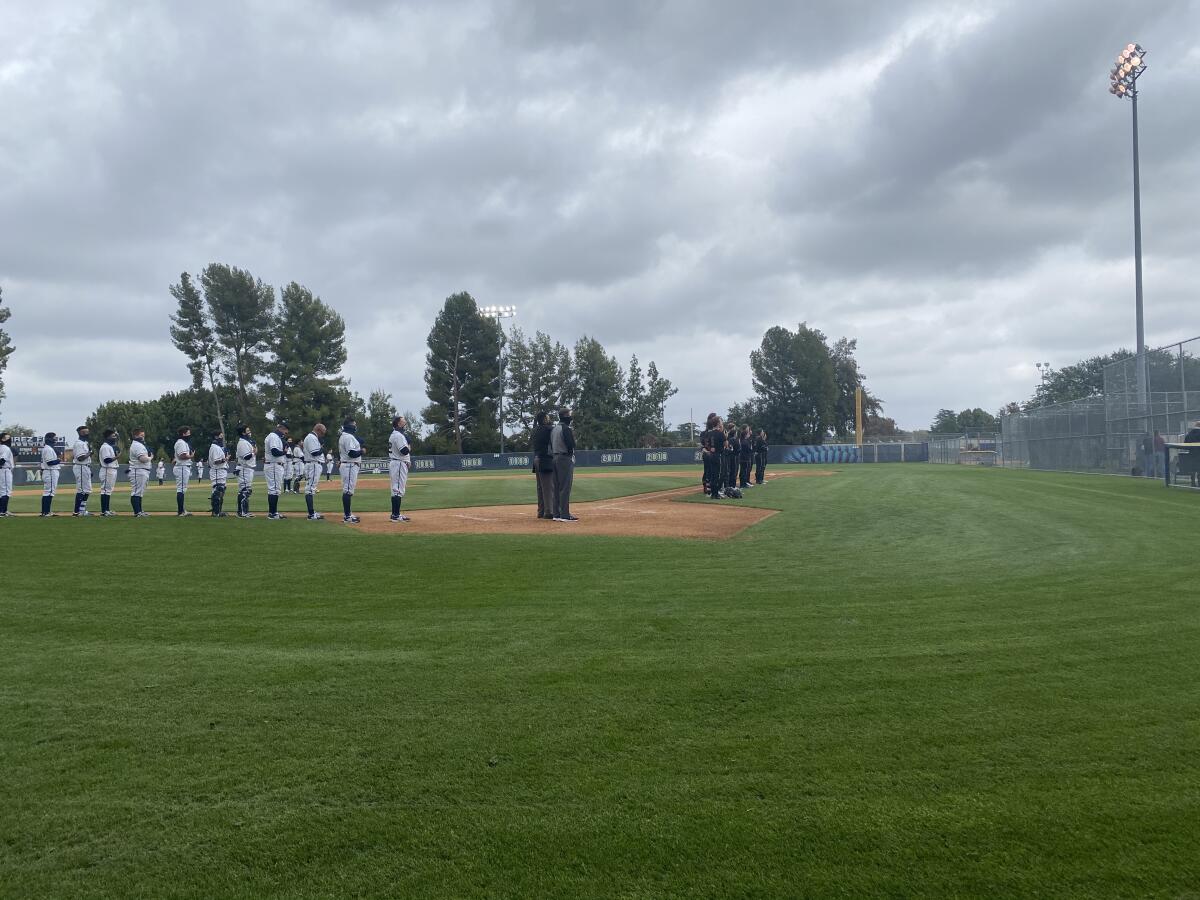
(975, 448)
(1113, 433)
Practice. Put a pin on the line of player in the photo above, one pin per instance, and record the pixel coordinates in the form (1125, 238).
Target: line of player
(279, 462)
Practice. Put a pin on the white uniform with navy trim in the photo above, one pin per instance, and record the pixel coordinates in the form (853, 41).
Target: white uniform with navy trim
(108, 468)
(313, 455)
(246, 456)
(183, 465)
(275, 461)
(218, 465)
(6, 470)
(347, 444)
(328, 463)
(50, 470)
(298, 468)
(139, 468)
(398, 454)
(82, 465)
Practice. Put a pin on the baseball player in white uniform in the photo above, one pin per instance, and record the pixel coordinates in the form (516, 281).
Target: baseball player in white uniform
(276, 463)
(398, 459)
(108, 471)
(140, 461)
(298, 468)
(247, 455)
(162, 470)
(288, 468)
(6, 473)
(314, 454)
(218, 474)
(328, 466)
(81, 464)
(51, 467)
(200, 469)
(350, 451)
(182, 469)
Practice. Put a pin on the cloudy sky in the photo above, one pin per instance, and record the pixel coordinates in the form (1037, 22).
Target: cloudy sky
(948, 183)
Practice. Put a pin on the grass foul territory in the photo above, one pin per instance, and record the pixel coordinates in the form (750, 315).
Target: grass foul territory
(910, 681)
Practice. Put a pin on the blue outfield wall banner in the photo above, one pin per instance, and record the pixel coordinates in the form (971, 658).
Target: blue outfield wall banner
(826, 454)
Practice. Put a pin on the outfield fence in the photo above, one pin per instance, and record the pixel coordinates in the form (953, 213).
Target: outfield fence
(28, 473)
(1113, 432)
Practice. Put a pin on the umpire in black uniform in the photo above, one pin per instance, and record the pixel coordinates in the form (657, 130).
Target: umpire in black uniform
(543, 466)
(562, 446)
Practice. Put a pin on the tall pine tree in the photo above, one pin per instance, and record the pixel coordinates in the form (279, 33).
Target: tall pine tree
(462, 377)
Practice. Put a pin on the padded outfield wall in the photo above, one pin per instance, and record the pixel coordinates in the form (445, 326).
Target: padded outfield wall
(826, 454)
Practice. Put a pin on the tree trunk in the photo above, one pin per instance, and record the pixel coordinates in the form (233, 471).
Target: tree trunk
(212, 382)
(457, 427)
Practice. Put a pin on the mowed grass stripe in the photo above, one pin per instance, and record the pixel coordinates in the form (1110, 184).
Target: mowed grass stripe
(913, 680)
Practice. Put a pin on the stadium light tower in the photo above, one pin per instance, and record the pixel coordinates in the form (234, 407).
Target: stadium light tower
(1131, 63)
(498, 313)
(1043, 370)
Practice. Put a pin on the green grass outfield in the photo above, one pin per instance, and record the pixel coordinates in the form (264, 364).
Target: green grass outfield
(914, 681)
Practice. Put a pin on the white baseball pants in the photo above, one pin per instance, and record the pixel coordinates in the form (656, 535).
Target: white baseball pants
(349, 477)
(275, 476)
(398, 470)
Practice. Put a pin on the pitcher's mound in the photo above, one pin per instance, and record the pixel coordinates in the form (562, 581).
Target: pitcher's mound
(642, 515)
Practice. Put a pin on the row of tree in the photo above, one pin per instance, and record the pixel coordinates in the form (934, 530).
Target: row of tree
(614, 407)
(261, 356)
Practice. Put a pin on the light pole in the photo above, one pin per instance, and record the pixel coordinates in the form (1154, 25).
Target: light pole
(1043, 370)
(498, 313)
(1131, 63)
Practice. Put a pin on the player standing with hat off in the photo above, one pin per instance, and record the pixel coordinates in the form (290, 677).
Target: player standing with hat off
(350, 451)
(314, 454)
(276, 463)
(218, 474)
(139, 472)
(6, 473)
(182, 469)
(81, 465)
(51, 471)
(109, 463)
(246, 455)
(398, 460)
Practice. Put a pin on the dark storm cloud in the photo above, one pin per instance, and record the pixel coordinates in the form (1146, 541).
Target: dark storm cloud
(947, 182)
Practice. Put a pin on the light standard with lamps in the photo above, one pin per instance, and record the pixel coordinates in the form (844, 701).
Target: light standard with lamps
(1043, 370)
(1131, 63)
(498, 313)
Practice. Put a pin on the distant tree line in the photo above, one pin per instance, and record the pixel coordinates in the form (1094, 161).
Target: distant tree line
(1078, 381)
